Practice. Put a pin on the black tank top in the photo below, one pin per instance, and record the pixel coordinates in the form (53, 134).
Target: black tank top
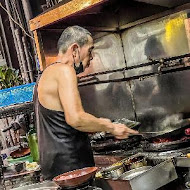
(62, 148)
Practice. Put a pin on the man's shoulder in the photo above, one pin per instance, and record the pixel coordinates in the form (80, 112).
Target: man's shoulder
(58, 69)
(64, 67)
(61, 68)
(65, 71)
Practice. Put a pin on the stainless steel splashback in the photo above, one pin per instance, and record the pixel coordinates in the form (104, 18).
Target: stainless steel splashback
(162, 100)
(164, 37)
(155, 101)
(107, 54)
(111, 100)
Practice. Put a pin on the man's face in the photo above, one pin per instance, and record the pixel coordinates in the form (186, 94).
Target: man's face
(86, 52)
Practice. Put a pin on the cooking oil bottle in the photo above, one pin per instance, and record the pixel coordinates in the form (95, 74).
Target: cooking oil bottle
(32, 140)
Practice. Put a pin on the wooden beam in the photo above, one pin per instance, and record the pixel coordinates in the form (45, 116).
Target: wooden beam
(155, 16)
(187, 27)
(71, 8)
(90, 28)
(39, 49)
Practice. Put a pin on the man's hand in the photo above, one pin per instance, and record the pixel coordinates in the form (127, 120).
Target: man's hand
(120, 131)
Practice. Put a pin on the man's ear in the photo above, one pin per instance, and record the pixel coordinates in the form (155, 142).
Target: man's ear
(74, 49)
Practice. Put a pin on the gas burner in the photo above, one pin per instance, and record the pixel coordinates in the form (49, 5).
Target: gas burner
(121, 152)
(167, 154)
(83, 186)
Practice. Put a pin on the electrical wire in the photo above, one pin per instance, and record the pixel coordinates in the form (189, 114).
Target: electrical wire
(16, 11)
(15, 21)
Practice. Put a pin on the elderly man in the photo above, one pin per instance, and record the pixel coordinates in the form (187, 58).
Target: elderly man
(63, 123)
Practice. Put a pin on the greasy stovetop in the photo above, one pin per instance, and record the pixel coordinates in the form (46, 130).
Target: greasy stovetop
(50, 185)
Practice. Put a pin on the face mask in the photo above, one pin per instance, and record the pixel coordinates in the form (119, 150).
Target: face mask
(79, 69)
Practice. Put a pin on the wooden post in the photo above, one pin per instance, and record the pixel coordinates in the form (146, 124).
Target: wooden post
(39, 49)
(187, 27)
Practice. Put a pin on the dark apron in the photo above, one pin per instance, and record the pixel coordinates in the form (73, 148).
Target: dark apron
(62, 148)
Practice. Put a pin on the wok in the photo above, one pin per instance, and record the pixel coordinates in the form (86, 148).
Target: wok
(21, 152)
(166, 146)
(75, 178)
(178, 130)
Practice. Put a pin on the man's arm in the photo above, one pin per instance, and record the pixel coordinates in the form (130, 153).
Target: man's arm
(74, 112)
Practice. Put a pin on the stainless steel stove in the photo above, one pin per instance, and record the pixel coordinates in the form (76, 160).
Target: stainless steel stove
(167, 154)
(82, 188)
(50, 185)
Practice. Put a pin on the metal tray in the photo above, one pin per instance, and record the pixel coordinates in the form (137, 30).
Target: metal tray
(182, 162)
(155, 177)
(134, 173)
(46, 185)
(152, 179)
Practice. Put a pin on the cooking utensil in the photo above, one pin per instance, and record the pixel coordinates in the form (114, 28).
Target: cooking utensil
(134, 173)
(179, 128)
(16, 168)
(129, 123)
(21, 166)
(149, 134)
(103, 135)
(75, 178)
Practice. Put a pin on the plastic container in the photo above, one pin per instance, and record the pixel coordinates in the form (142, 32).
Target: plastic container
(17, 94)
(21, 159)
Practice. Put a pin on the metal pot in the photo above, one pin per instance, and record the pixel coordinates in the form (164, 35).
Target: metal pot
(113, 172)
(135, 162)
(17, 167)
(134, 173)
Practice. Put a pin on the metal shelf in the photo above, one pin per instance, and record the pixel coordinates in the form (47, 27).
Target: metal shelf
(17, 109)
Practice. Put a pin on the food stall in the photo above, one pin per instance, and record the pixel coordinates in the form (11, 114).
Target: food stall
(140, 72)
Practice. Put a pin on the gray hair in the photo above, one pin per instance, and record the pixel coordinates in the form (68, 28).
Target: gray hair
(72, 34)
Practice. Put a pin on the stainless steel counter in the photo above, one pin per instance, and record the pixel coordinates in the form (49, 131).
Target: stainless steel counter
(46, 185)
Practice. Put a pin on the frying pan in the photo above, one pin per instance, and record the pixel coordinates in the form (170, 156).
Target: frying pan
(148, 135)
(75, 178)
